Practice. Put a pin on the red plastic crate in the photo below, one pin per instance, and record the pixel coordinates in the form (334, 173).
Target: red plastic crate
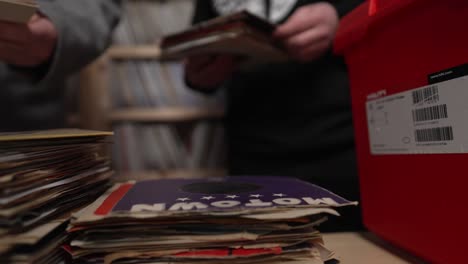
(413, 188)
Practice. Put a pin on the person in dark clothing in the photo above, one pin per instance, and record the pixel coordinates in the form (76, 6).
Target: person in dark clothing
(293, 118)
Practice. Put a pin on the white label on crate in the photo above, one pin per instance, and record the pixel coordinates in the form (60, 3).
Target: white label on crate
(430, 119)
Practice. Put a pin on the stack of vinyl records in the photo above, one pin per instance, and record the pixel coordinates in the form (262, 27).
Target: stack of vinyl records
(44, 176)
(192, 221)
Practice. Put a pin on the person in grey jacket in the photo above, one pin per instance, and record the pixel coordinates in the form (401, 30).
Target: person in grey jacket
(36, 58)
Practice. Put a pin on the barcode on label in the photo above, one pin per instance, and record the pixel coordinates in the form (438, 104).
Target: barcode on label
(430, 113)
(427, 95)
(434, 134)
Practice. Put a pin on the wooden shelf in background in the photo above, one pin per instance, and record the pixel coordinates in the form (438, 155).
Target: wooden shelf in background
(165, 115)
(136, 52)
(172, 174)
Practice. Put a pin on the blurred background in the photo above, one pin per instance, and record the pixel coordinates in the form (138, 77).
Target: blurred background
(162, 128)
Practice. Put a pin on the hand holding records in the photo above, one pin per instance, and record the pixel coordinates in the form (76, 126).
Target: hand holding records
(304, 37)
(240, 34)
(27, 38)
(309, 33)
(216, 48)
(232, 220)
(17, 11)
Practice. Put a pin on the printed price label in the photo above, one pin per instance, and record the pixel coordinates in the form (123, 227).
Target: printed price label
(429, 119)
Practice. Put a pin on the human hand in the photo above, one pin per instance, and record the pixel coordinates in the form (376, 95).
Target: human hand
(210, 71)
(28, 45)
(309, 32)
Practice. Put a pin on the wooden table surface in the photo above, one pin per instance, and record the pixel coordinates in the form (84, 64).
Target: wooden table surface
(363, 248)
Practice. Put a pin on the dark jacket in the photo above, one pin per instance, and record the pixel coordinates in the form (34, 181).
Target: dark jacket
(291, 119)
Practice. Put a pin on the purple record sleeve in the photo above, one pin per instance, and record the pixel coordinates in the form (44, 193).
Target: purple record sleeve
(225, 194)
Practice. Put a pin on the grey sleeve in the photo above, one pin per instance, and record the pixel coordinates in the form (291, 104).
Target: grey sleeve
(84, 32)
